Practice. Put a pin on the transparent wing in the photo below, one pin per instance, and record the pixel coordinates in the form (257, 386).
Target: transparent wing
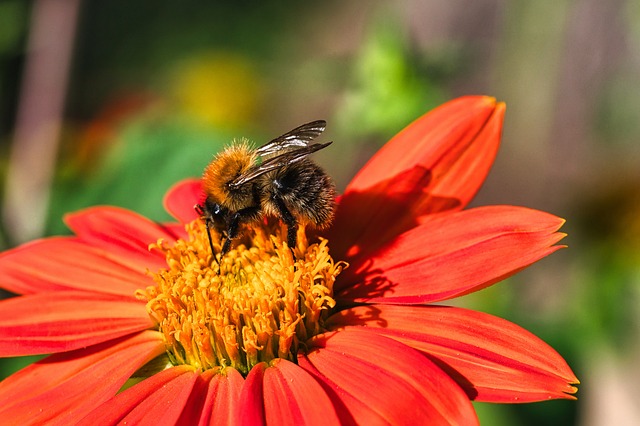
(299, 137)
(282, 160)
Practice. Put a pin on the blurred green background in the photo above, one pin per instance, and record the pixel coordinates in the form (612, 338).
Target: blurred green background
(112, 102)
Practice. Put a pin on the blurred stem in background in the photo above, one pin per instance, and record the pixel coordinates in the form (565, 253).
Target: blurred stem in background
(39, 118)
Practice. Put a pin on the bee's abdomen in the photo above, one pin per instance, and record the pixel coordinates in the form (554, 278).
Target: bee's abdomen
(306, 190)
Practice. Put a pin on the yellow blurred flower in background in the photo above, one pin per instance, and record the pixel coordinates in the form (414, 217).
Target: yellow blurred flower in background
(221, 89)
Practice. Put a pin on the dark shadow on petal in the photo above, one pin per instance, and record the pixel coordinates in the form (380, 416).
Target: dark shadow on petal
(372, 314)
(345, 416)
(461, 380)
(364, 281)
(193, 408)
(367, 220)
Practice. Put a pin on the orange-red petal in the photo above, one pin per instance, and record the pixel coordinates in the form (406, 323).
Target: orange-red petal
(493, 359)
(437, 163)
(63, 388)
(66, 263)
(376, 380)
(215, 399)
(182, 197)
(451, 255)
(123, 233)
(285, 394)
(177, 230)
(158, 400)
(66, 320)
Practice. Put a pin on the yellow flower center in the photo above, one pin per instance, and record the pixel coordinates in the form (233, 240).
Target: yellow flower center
(261, 303)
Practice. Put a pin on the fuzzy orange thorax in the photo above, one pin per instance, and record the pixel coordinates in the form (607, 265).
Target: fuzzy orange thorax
(225, 167)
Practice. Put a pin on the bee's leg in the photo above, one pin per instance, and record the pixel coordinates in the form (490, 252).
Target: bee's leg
(245, 215)
(225, 247)
(232, 232)
(292, 240)
(291, 222)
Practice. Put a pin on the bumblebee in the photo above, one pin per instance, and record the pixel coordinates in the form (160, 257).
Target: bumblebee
(243, 185)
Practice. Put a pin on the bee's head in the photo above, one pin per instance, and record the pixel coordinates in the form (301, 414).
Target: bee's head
(214, 215)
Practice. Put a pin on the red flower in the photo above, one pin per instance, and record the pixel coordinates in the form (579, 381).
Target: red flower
(355, 346)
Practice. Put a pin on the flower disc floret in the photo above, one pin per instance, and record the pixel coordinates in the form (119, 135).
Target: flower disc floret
(259, 304)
